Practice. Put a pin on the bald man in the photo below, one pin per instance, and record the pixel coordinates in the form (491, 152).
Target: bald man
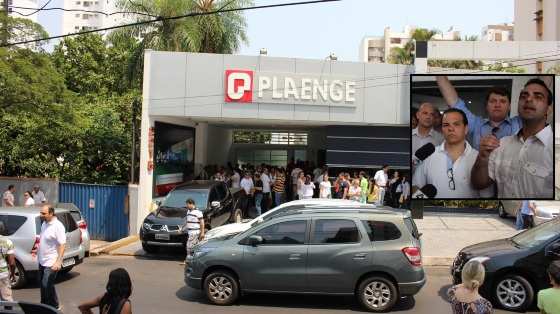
(424, 133)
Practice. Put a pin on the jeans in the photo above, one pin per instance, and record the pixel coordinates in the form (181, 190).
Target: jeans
(46, 280)
(265, 200)
(381, 196)
(278, 197)
(258, 201)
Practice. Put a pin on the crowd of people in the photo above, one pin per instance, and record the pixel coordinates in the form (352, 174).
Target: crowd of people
(468, 156)
(270, 186)
(30, 198)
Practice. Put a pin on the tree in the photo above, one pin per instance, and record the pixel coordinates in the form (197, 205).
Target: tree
(212, 33)
(405, 55)
(18, 29)
(554, 70)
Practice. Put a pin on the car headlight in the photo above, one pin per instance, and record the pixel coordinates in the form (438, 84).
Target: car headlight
(480, 259)
(147, 226)
(203, 251)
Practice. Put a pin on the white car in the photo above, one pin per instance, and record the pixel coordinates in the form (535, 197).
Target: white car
(546, 210)
(242, 226)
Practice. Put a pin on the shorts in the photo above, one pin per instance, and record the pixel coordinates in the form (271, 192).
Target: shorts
(6, 290)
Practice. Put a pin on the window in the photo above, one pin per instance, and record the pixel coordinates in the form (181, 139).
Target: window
(268, 137)
(12, 223)
(381, 230)
(411, 226)
(85, 16)
(78, 15)
(213, 195)
(335, 231)
(395, 40)
(256, 157)
(78, 2)
(86, 3)
(288, 232)
(67, 220)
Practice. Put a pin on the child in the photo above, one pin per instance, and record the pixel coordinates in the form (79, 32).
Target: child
(549, 299)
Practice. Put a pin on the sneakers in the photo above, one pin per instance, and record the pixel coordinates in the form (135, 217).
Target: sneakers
(183, 263)
(59, 308)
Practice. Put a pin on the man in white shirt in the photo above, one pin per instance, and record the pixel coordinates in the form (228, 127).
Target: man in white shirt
(50, 254)
(424, 133)
(194, 227)
(38, 195)
(521, 165)
(448, 169)
(247, 183)
(381, 179)
(267, 183)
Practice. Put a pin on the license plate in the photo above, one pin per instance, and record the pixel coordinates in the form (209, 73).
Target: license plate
(162, 236)
(68, 262)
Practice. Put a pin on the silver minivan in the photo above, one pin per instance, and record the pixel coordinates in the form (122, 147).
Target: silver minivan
(23, 227)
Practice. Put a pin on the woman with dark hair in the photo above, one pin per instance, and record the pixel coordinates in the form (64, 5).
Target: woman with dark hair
(115, 300)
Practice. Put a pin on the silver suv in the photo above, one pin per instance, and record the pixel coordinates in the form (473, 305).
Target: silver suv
(374, 254)
(23, 227)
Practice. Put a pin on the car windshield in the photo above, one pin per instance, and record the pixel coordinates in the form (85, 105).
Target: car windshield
(538, 235)
(271, 214)
(178, 198)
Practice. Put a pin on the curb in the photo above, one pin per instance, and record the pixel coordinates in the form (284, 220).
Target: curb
(114, 245)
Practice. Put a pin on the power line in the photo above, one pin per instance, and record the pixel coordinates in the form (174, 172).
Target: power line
(160, 18)
(37, 10)
(80, 10)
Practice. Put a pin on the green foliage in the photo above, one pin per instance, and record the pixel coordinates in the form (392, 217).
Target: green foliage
(464, 204)
(554, 70)
(498, 67)
(18, 29)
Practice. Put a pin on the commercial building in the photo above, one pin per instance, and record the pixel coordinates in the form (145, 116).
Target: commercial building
(537, 20)
(342, 114)
(378, 49)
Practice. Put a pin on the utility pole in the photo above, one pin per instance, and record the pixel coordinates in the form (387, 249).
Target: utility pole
(133, 155)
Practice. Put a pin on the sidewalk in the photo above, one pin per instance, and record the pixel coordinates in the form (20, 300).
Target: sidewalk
(443, 235)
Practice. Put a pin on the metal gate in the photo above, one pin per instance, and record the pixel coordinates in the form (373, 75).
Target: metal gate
(103, 207)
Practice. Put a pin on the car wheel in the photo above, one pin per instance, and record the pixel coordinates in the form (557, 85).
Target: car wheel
(221, 287)
(501, 211)
(377, 294)
(20, 277)
(149, 248)
(237, 216)
(513, 293)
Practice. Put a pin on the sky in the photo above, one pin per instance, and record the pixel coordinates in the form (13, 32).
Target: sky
(315, 31)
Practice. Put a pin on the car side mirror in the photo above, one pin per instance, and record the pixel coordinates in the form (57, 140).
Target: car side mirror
(255, 240)
(553, 250)
(215, 204)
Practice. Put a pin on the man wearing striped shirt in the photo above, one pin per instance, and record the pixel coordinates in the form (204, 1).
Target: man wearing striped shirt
(194, 226)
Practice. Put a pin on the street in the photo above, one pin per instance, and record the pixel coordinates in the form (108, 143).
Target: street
(158, 287)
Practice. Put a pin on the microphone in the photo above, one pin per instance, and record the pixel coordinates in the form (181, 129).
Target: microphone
(425, 151)
(427, 191)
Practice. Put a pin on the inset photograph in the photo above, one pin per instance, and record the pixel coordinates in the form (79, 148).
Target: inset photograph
(482, 136)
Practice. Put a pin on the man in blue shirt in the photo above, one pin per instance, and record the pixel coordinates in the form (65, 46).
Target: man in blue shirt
(498, 124)
(528, 209)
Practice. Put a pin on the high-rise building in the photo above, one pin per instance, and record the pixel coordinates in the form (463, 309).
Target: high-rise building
(499, 32)
(99, 17)
(378, 49)
(15, 9)
(537, 20)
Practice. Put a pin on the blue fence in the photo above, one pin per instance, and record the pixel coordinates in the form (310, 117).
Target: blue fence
(103, 207)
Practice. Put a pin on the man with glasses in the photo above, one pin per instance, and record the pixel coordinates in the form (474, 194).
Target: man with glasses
(521, 165)
(449, 167)
(498, 103)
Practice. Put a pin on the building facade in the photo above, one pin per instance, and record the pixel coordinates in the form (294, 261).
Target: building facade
(100, 17)
(378, 49)
(537, 20)
(499, 32)
(29, 5)
(346, 115)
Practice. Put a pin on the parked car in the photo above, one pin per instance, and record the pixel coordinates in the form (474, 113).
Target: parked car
(374, 254)
(219, 205)
(81, 221)
(545, 211)
(23, 226)
(238, 227)
(516, 266)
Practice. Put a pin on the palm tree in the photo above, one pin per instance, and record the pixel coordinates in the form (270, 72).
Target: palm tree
(405, 55)
(212, 33)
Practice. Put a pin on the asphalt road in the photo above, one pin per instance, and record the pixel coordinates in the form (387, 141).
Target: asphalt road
(158, 288)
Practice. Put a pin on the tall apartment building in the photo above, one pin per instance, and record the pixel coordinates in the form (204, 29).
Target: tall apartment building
(499, 32)
(378, 49)
(74, 21)
(32, 6)
(537, 20)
